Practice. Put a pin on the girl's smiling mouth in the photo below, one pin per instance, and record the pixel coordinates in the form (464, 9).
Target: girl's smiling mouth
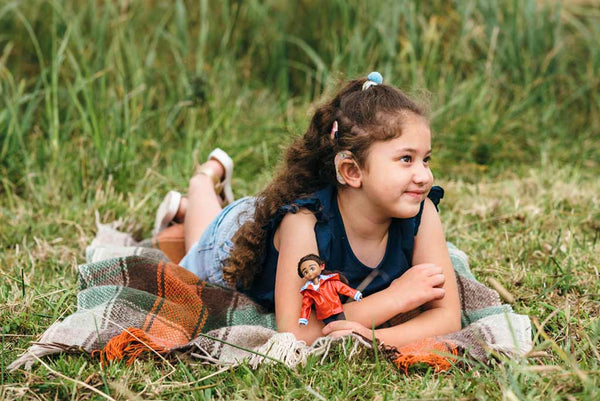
(415, 194)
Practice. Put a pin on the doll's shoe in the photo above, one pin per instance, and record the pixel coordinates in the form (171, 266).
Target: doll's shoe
(166, 211)
(222, 187)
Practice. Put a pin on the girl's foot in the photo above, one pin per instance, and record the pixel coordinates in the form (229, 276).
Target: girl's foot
(171, 210)
(167, 211)
(219, 168)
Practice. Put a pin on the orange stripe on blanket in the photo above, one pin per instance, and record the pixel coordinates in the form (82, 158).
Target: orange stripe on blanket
(130, 344)
(436, 353)
(178, 313)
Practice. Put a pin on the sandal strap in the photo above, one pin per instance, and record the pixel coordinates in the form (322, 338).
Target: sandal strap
(207, 171)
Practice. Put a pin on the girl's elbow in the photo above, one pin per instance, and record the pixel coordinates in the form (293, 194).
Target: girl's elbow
(454, 323)
(450, 320)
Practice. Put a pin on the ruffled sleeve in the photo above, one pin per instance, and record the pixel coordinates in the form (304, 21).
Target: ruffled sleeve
(313, 203)
(436, 194)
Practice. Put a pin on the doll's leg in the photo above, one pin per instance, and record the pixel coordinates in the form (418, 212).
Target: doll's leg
(333, 318)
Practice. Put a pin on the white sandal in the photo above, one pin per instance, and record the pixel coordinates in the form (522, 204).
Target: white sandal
(166, 211)
(222, 188)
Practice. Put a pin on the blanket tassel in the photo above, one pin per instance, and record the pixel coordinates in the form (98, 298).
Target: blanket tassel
(130, 344)
(435, 353)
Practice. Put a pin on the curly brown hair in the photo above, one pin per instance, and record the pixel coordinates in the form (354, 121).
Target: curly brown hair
(364, 117)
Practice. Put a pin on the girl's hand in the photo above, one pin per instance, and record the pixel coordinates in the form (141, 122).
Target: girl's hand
(420, 284)
(341, 328)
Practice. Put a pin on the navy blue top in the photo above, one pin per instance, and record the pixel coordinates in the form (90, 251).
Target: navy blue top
(335, 249)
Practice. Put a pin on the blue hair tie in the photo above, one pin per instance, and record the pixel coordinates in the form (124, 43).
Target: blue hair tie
(374, 78)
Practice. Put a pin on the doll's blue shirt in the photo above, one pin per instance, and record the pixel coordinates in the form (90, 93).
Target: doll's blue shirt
(335, 249)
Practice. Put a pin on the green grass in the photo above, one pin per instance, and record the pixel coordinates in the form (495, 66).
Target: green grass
(105, 105)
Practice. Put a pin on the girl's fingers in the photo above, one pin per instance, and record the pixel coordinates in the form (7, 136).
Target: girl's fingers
(340, 333)
(434, 269)
(438, 293)
(334, 326)
(437, 280)
(345, 326)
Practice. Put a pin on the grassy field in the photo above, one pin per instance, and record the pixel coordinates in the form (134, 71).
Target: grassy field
(104, 106)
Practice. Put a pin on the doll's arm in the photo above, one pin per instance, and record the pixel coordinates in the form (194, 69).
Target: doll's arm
(348, 291)
(305, 312)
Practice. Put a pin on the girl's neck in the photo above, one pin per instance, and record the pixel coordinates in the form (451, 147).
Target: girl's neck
(360, 219)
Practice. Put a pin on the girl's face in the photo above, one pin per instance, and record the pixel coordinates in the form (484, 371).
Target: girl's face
(396, 175)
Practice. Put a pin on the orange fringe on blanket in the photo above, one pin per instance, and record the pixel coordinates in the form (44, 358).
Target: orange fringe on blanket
(438, 354)
(130, 344)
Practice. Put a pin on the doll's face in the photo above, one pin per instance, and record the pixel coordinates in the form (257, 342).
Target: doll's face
(310, 269)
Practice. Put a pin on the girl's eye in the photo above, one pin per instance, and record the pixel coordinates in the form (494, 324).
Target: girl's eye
(406, 159)
(427, 160)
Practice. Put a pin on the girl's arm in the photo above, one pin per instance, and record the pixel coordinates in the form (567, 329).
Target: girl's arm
(443, 313)
(430, 247)
(295, 238)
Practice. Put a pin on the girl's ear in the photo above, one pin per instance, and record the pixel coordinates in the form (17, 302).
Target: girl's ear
(350, 172)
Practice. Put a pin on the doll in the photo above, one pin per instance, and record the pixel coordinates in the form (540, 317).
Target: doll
(322, 289)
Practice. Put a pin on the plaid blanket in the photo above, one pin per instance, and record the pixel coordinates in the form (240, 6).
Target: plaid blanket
(133, 300)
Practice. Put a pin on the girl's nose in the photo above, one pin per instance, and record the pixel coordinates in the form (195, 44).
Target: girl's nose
(422, 174)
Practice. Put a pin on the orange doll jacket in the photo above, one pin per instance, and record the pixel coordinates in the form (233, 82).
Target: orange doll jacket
(325, 298)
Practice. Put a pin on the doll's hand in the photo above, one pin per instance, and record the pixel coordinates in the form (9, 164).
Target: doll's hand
(420, 284)
(340, 328)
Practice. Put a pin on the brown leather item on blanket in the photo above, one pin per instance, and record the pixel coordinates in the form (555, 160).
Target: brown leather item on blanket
(171, 242)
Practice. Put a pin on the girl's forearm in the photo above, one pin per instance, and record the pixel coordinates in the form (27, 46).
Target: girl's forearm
(432, 322)
(375, 309)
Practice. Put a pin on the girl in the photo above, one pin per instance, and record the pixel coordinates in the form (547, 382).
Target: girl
(356, 189)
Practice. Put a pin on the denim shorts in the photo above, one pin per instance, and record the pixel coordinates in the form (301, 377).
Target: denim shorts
(206, 257)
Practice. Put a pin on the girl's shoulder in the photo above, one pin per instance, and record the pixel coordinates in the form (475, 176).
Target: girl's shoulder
(435, 195)
(316, 204)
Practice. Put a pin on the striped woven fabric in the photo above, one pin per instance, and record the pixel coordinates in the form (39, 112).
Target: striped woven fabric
(132, 300)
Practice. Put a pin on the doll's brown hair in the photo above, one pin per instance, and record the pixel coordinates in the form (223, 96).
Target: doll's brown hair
(321, 262)
(364, 117)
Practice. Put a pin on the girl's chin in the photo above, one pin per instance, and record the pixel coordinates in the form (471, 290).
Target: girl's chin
(407, 212)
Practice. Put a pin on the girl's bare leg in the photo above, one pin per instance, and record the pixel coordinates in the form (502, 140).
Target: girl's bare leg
(202, 204)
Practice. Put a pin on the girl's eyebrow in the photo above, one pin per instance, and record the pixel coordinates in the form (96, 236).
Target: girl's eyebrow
(411, 150)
